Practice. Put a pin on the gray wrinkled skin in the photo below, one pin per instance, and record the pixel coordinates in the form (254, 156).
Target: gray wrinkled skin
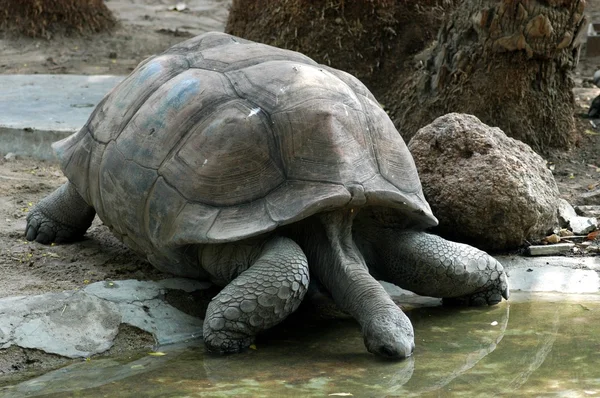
(259, 170)
(260, 297)
(60, 216)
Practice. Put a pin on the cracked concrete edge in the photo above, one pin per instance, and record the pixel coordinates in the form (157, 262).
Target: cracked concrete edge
(166, 323)
(70, 324)
(37, 110)
(558, 274)
(78, 324)
(132, 290)
(30, 143)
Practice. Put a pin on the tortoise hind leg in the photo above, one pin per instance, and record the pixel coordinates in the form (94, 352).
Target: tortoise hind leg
(260, 297)
(432, 266)
(62, 216)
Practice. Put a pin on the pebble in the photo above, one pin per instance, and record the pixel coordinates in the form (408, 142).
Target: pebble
(583, 225)
(590, 198)
(565, 212)
(588, 211)
(10, 156)
(549, 250)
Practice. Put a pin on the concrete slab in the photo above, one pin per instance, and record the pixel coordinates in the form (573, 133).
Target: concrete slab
(552, 274)
(82, 323)
(71, 324)
(36, 110)
(141, 305)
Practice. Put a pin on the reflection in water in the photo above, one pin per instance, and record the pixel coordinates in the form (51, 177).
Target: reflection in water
(547, 347)
(544, 347)
(484, 340)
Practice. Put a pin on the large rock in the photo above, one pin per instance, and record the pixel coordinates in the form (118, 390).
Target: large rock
(485, 188)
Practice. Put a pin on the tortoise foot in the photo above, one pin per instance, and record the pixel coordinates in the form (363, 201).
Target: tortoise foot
(223, 342)
(492, 294)
(62, 216)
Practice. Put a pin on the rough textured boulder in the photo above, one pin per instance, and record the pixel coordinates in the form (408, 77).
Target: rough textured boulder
(485, 188)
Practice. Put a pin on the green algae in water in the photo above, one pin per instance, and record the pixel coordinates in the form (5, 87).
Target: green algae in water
(541, 347)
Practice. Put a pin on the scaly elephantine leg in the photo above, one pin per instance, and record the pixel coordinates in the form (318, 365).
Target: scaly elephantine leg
(259, 298)
(432, 266)
(62, 216)
(340, 267)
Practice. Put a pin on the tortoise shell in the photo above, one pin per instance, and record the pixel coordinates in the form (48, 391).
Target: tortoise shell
(220, 139)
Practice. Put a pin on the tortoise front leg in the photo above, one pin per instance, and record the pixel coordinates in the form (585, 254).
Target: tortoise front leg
(338, 264)
(62, 216)
(260, 297)
(432, 266)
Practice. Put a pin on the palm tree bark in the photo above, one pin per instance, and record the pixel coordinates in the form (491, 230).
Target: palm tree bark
(42, 18)
(508, 62)
(373, 40)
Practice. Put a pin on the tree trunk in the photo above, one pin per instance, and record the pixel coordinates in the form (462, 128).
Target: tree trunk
(42, 18)
(371, 39)
(506, 62)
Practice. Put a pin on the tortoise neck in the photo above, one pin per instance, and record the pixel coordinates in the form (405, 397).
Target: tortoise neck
(335, 260)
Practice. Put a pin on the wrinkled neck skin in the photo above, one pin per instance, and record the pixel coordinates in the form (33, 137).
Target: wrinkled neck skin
(338, 264)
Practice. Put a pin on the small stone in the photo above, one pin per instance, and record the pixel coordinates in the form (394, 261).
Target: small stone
(564, 233)
(552, 238)
(583, 225)
(565, 212)
(549, 250)
(10, 156)
(178, 7)
(588, 211)
(590, 198)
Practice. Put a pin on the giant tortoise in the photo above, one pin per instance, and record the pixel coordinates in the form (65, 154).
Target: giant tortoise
(256, 168)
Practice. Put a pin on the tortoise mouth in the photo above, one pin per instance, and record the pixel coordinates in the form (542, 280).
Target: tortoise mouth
(392, 352)
(390, 335)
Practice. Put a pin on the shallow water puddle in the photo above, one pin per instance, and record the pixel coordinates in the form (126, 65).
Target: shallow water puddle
(533, 346)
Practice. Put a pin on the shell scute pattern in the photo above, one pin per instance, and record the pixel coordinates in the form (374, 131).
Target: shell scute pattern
(220, 138)
(230, 158)
(132, 94)
(168, 116)
(236, 56)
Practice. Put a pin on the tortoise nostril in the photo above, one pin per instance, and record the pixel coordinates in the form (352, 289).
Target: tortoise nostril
(387, 351)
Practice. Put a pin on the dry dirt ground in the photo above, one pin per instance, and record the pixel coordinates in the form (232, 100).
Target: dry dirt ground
(147, 27)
